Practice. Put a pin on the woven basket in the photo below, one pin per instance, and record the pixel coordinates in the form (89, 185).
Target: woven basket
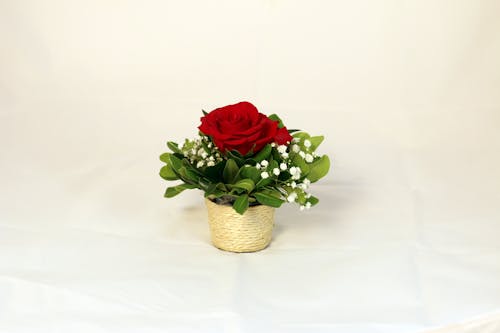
(233, 232)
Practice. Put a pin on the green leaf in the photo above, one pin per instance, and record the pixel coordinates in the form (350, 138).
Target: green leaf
(263, 182)
(319, 169)
(174, 147)
(268, 200)
(276, 118)
(264, 153)
(313, 200)
(246, 184)
(301, 163)
(221, 186)
(301, 135)
(165, 157)
(240, 205)
(237, 157)
(215, 172)
(316, 141)
(175, 162)
(174, 190)
(188, 176)
(191, 167)
(204, 112)
(230, 171)
(167, 173)
(249, 172)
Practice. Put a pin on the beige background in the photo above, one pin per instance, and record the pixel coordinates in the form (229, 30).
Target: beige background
(406, 235)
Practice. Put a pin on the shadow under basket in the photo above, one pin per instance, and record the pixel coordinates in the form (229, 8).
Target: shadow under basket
(233, 232)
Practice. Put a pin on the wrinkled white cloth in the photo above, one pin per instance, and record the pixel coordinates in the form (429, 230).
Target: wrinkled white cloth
(405, 238)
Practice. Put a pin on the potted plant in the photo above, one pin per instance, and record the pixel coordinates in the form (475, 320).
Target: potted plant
(247, 164)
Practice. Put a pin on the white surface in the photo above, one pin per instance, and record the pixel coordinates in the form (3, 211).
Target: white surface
(405, 238)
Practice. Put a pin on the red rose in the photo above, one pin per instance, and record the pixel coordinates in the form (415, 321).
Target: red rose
(241, 127)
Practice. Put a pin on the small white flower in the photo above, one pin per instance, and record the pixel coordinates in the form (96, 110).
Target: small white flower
(307, 143)
(264, 163)
(291, 197)
(276, 171)
(204, 154)
(308, 205)
(264, 175)
(201, 151)
(302, 207)
(210, 163)
(283, 166)
(282, 149)
(257, 165)
(293, 184)
(309, 158)
(284, 155)
(302, 154)
(209, 145)
(307, 182)
(314, 154)
(308, 195)
(295, 148)
(193, 151)
(293, 170)
(273, 144)
(211, 158)
(200, 164)
(296, 173)
(296, 140)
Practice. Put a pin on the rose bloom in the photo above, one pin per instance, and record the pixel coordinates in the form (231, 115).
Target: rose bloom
(242, 127)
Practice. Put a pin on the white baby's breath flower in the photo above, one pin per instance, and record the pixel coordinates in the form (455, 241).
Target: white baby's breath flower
(307, 143)
(308, 205)
(210, 163)
(200, 164)
(273, 144)
(302, 154)
(295, 148)
(302, 207)
(276, 171)
(295, 172)
(291, 197)
(284, 155)
(264, 175)
(308, 195)
(293, 184)
(264, 163)
(211, 158)
(204, 154)
(307, 181)
(282, 149)
(201, 151)
(296, 140)
(257, 165)
(309, 158)
(283, 166)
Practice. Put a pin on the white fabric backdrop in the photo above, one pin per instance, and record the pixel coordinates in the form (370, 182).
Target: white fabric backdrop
(405, 238)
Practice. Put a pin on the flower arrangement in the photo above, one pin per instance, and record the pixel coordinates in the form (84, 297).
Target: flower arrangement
(244, 158)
